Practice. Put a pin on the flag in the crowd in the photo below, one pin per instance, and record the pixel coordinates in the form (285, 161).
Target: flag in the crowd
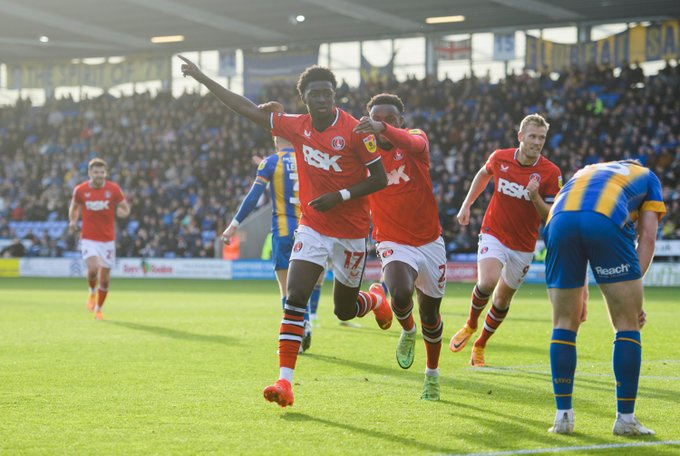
(227, 63)
(371, 74)
(453, 49)
(264, 68)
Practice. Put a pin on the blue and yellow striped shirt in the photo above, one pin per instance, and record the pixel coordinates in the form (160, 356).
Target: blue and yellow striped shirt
(618, 190)
(280, 172)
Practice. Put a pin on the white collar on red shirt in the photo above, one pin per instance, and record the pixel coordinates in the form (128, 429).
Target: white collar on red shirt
(520, 163)
(337, 116)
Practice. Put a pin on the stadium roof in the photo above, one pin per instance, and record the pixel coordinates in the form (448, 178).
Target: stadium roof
(95, 28)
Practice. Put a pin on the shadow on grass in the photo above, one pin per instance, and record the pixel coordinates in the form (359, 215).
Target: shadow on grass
(175, 333)
(371, 433)
(498, 348)
(368, 367)
(604, 383)
(498, 426)
(371, 327)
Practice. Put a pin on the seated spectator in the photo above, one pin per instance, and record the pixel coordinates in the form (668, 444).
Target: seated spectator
(14, 250)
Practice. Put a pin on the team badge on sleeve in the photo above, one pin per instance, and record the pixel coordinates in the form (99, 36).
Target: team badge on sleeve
(369, 142)
(559, 181)
(415, 131)
(262, 164)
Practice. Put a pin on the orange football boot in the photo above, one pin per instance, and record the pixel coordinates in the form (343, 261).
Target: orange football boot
(91, 302)
(280, 392)
(383, 311)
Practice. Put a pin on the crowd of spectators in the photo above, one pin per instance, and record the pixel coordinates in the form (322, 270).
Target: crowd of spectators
(185, 163)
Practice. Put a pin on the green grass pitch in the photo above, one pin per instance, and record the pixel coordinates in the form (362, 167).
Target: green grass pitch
(178, 367)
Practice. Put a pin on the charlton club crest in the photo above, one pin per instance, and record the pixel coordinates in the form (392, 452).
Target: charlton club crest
(338, 143)
(297, 247)
(387, 253)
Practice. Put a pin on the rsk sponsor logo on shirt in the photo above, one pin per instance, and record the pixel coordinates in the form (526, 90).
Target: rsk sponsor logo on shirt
(513, 189)
(321, 160)
(97, 205)
(395, 176)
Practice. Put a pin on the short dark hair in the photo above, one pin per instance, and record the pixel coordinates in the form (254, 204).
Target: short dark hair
(386, 98)
(96, 162)
(315, 73)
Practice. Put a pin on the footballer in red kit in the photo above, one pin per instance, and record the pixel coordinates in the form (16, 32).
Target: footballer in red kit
(526, 184)
(410, 247)
(99, 201)
(337, 169)
(328, 162)
(511, 216)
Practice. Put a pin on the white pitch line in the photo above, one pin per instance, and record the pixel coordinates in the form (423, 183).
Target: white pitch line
(606, 446)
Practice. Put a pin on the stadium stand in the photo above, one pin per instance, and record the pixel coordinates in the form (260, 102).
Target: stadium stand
(185, 163)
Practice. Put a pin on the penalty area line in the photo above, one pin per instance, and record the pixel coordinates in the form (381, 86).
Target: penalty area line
(606, 446)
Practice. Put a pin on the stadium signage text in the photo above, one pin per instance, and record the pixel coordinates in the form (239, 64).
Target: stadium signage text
(637, 44)
(50, 75)
(659, 274)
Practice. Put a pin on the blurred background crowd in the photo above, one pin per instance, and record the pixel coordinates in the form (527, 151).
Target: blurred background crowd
(185, 163)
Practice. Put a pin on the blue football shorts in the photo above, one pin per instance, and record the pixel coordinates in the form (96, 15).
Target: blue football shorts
(574, 238)
(281, 250)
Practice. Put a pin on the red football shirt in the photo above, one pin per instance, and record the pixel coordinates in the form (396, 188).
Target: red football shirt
(98, 206)
(511, 216)
(329, 161)
(406, 211)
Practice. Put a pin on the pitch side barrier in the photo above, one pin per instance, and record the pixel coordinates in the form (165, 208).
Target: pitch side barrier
(664, 274)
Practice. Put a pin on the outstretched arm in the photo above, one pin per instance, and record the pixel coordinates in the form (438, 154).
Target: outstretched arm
(397, 136)
(244, 210)
(237, 103)
(376, 181)
(476, 188)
